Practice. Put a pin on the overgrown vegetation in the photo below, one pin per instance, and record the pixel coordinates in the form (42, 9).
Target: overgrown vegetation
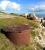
(5, 43)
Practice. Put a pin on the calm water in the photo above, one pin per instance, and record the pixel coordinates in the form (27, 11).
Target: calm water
(40, 13)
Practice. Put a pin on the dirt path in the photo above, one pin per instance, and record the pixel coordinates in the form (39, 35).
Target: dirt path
(19, 35)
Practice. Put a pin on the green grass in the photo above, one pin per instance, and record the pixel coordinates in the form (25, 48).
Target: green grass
(13, 21)
(4, 42)
(17, 21)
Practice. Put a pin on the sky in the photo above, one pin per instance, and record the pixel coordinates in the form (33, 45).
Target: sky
(21, 6)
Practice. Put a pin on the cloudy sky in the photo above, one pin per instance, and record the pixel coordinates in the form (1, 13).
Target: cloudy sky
(21, 6)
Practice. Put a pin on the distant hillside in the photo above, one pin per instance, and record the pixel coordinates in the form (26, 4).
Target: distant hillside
(8, 15)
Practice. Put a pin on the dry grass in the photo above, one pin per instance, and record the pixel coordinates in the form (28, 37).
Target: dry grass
(5, 44)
